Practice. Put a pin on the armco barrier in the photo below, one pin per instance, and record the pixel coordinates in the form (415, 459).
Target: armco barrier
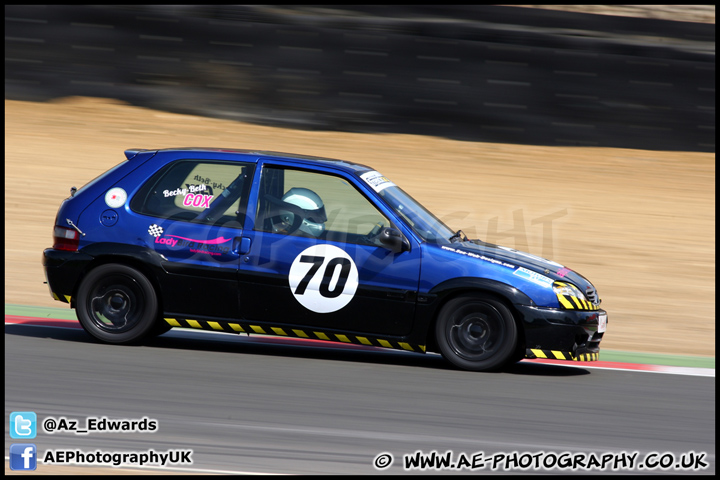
(480, 73)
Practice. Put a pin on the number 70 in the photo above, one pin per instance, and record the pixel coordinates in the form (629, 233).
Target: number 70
(328, 274)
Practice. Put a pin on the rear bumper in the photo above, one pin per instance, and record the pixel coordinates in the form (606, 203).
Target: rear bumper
(562, 334)
(63, 271)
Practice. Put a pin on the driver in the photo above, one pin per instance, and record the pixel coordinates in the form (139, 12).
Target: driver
(312, 205)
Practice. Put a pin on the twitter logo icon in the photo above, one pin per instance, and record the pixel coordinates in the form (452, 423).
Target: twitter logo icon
(23, 425)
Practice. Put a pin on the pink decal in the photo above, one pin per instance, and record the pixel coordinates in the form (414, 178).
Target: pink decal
(197, 200)
(167, 241)
(215, 241)
(563, 271)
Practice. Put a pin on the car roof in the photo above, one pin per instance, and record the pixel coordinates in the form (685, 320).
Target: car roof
(258, 154)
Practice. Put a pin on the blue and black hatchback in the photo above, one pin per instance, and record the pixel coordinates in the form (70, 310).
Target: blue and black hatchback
(257, 242)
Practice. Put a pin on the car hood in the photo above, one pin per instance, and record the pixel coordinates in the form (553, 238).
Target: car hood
(517, 259)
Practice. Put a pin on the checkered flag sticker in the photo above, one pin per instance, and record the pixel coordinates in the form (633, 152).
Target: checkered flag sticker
(155, 230)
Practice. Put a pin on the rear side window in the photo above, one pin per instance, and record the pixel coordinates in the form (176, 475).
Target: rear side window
(199, 191)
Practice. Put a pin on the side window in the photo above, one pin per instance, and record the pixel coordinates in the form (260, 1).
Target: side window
(199, 191)
(297, 202)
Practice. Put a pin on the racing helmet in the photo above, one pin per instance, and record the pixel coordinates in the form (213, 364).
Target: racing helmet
(312, 205)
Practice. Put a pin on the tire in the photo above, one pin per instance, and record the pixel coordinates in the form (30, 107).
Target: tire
(117, 304)
(160, 327)
(477, 333)
(518, 355)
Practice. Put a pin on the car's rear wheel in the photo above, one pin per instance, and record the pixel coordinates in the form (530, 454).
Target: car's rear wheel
(117, 304)
(476, 332)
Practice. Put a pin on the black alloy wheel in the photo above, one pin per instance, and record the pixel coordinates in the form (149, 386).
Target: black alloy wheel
(476, 332)
(118, 304)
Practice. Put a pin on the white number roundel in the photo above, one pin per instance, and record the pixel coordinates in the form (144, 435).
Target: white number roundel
(323, 278)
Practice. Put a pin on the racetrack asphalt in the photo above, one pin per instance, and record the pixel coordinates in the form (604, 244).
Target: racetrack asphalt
(265, 405)
(613, 359)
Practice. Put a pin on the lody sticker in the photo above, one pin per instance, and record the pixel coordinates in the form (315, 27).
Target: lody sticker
(323, 278)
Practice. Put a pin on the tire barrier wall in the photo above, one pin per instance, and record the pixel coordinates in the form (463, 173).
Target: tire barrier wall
(476, 73)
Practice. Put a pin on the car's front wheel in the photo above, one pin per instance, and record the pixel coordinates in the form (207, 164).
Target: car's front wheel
(117, 304)
(476, 332)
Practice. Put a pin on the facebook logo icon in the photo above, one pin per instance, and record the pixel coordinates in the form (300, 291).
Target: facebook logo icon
(23, 425)
(23, 456)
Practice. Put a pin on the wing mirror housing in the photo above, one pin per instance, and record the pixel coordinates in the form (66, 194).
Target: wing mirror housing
(394, 240)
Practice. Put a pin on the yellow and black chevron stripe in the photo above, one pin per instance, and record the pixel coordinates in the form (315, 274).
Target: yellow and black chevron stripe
(559, 355)
(61, 298)
(570, 302)
(249, 328)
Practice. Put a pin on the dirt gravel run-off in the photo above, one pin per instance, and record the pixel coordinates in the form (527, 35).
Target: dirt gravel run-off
(639, 224)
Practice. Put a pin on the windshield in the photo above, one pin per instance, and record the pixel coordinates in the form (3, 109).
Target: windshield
(423, 223)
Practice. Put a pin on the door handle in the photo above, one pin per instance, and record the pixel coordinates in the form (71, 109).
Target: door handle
(241, 245)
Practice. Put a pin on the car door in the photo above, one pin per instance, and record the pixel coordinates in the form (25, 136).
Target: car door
(314, 259)
(192, 213)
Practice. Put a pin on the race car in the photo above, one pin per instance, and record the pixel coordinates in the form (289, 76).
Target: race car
(269, 243)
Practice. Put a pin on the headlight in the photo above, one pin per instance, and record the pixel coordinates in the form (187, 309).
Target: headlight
(571, 298)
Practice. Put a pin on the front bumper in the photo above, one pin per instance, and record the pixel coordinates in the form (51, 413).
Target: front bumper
(562, 334)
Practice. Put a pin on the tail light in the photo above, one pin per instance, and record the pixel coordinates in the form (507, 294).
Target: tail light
(65, 239)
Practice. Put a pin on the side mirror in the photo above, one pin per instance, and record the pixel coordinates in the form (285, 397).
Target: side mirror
(394, 240)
